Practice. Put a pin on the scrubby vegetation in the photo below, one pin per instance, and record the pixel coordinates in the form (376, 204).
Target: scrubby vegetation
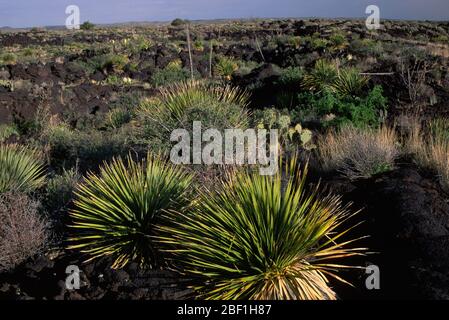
(359, 153)
(85, 137)
(23, 232)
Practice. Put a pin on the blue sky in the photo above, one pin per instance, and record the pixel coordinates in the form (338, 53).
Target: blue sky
(27, 13)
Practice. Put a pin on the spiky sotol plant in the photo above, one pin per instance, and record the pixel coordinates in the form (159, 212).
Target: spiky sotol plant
(261, 238)
(21, 169)
(116, 211)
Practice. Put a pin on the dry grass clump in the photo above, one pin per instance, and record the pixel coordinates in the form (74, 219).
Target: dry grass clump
(431, 150)
(23, 233)
(439, 156)
(358, 153)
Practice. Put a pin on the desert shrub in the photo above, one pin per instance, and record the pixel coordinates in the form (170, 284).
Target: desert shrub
(226, 67)
(118, 117)
(289, 81)
(439, 129)
(335, 110)
(246, 67)
(21, 169)
(67, 147)
(8, 59)
(139, 44)
(6, 131)
(87, 26)
(112, 80)
(179, 22)
(122, 110)
(260, 237)
(87, 67)
(285, 40)
(430, 149)
(367, 47)
(316, 42)
(291, 76)
(27, 52)
(294, 41)
(358, 153)
(113, 62)
(439, 160)
(33, 126)
(23, 233)
(7, 84)
(172, 73)
(338, 40)
(441, 38)
(59, 190)
(116, 211)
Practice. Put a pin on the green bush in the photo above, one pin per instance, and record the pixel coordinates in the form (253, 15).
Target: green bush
(21, 169)
(118, 117)
(59, 191)
(261, 238)
(87, 26)
(337, 111)
(8, 59)
(115, 62)
(88, 149)
(173, 73)
(6, 131)
(289, 82)
(316, 42)
(7, 84)
(367, 47)
(116, 212)
(338, 41)
(246, 67)
(179, 22)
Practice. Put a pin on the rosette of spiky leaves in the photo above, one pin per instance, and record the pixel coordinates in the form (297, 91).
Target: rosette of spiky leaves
(116, 211)
(226, 67)
(350, 82)
(21, 169)
(177, 97)
(262, 237)
(322, 77)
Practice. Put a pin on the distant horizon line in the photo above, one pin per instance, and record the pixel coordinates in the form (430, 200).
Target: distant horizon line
(222, 19)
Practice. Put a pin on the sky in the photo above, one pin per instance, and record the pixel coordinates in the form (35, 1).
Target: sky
(35, 13)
